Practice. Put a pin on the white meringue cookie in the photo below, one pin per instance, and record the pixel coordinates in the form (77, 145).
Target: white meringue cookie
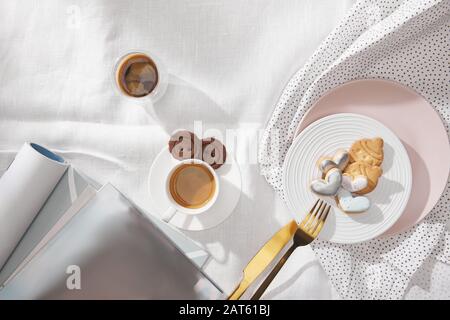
(328, 186)
(350, 204)
(339, 160)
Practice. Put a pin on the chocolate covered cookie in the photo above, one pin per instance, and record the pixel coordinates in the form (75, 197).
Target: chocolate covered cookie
(214, 152)
(184, 144)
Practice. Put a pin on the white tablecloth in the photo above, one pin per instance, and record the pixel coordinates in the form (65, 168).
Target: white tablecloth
(228, 63)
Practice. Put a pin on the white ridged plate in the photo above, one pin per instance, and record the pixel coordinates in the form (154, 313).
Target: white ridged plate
(324, 137)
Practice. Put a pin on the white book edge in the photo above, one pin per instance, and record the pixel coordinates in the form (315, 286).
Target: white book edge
(77, 205)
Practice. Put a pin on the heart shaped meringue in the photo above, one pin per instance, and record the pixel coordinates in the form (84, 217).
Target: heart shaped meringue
(328, 186)
(350, 204)
(326, 164)
(339, 160)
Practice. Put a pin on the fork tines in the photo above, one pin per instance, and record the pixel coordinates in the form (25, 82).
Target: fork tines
(313, 222)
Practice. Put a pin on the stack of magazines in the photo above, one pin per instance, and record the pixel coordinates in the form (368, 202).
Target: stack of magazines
(62, 236)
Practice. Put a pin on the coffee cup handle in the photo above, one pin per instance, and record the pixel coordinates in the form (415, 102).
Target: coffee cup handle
(168, 214)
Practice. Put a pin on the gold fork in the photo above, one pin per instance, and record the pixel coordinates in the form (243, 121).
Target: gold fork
(306, 232)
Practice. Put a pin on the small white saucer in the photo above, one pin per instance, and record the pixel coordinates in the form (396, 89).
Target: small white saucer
(230, 191)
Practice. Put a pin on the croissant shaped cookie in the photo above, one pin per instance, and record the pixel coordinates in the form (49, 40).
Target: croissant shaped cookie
(369, 151)
(360, 168)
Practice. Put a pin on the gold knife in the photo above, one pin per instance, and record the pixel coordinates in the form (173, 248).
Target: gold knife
(264, 257)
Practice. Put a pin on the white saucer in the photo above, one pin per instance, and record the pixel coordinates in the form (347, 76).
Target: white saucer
(230, 191)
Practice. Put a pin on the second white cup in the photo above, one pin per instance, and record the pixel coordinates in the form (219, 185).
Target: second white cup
(196, 175)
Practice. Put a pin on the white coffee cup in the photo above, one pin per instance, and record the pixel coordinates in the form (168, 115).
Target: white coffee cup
(162, 76)
(175, 206)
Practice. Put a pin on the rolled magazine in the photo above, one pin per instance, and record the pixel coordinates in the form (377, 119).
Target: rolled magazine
(24, 189)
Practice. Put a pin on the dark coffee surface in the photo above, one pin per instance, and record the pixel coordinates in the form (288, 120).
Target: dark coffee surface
(137, 75)
(192, 186)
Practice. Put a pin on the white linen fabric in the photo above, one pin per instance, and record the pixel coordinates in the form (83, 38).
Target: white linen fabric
(228, 61)
(401, 40)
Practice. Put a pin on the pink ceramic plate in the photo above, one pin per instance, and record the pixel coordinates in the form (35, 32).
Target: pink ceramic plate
(414, 122)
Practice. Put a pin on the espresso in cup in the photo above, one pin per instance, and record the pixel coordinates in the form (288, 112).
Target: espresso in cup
(192, 185)
(137, 75)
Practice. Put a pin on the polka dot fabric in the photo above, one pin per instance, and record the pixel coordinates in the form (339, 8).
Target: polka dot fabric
(403, 41)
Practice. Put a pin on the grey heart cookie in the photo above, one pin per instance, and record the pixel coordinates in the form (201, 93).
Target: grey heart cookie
(339, 160)
(326, 165)
(328, 186)
(351, 204)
